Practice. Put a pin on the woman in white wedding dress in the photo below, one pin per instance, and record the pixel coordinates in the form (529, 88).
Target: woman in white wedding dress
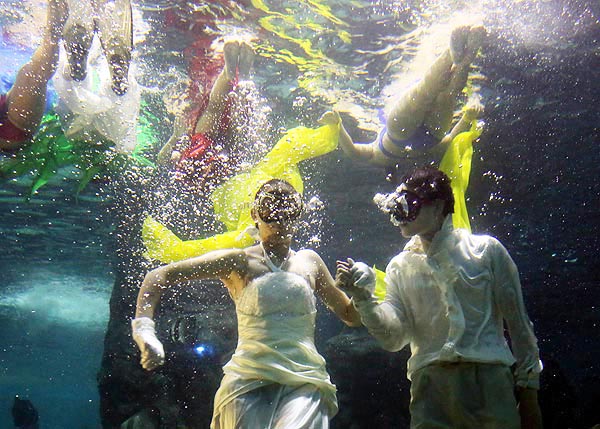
(276, 377)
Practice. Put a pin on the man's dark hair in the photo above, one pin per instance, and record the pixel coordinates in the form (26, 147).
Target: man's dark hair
(433, 184)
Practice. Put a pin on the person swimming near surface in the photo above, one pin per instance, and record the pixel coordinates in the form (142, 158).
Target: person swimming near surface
(207, 156)
(22, 108)
(421, 118)
(276, 377)
(112, 20)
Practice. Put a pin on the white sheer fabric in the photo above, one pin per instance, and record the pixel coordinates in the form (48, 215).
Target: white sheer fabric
(276, 322)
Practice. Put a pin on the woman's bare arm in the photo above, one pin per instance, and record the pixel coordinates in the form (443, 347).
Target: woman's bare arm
(336, 300)
(218, 264)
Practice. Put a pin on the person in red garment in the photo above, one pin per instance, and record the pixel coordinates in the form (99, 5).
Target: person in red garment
(206, 156)
(22, 108)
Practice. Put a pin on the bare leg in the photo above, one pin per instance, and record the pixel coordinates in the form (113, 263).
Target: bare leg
(208, 124)
(116, 34)
(246, 59)
(439, 119)
(210, 119)
(409, 112)
(27, 97)
(412, 110)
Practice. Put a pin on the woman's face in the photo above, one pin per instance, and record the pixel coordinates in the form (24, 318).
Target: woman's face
(276, 216)
(273, 232)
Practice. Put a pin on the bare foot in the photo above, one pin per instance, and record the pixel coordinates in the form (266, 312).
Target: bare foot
(458, 43)
(246, 59)
(475, 39)
(231, 52)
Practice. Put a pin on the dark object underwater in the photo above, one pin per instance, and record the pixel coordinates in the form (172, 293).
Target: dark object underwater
(25, 416)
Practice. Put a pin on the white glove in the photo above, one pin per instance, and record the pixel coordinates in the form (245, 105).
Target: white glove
(363, 278)
(144, 335)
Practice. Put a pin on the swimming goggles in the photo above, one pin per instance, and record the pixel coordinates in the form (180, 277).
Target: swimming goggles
(275, 207)
(407, 206)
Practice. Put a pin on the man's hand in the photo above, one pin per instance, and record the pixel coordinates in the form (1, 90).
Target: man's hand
(529, 409)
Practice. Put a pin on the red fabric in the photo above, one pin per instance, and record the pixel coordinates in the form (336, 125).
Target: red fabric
(201, 166)
(199, 145)
(9, 131)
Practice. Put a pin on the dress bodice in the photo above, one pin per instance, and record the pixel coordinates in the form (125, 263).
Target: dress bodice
(276, 294)
(276, 325)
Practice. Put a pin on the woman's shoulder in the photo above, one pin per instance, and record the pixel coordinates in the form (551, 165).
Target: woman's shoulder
(253, 251)
(308, 254)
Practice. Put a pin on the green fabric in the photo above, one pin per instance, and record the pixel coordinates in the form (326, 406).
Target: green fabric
(51, 151)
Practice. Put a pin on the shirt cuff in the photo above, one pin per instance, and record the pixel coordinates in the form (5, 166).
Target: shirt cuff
(529, 379)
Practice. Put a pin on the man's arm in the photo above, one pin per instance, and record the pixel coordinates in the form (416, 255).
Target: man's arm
(386, 321)
(524, 343)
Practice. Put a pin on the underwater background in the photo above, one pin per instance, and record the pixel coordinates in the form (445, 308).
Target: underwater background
(72, 254)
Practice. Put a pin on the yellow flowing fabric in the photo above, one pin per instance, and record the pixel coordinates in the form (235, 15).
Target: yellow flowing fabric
(233, 199)
(456, 163)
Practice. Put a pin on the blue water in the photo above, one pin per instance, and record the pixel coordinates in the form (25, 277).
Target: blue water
(533, 185)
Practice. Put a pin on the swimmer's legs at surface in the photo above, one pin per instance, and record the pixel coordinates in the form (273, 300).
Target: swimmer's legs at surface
(27, 97)
(439, 119)
(78, 36)
(410, 110)
(441, 84)
(238, 60)
(115, 28)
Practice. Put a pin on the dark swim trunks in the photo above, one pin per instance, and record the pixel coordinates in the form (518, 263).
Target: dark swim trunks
(9, 131)
(421, 140)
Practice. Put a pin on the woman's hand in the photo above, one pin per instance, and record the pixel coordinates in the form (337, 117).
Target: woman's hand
(144, 335)
(330, 118)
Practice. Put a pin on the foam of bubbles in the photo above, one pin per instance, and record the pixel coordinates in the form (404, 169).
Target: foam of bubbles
(73, 300)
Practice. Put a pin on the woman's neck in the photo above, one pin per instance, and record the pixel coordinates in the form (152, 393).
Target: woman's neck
(276, 252)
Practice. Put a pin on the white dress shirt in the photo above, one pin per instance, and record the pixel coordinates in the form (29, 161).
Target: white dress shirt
(449, 304)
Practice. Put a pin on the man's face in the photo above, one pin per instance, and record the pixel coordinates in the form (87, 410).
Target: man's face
(427, 220)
